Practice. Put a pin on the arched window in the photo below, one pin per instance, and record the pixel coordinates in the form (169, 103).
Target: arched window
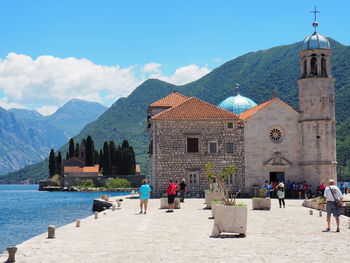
(323, 67)
(305, 69)
(313, 71)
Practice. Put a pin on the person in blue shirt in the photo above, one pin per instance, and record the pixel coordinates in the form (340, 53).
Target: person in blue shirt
(268, 188)
(144, 194)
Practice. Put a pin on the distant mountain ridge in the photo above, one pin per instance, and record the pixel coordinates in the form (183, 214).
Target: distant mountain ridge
(259, 74)
(26, 136)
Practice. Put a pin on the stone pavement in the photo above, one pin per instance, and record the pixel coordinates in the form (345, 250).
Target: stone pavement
(279, 235)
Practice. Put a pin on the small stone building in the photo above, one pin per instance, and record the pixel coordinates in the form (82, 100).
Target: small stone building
(188, 134)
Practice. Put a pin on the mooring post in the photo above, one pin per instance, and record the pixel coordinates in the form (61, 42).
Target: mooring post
(77, 223)
(51, 231)
(96, 215)
(311, 212)
(12, 252)
(320, 213)
(113, 207)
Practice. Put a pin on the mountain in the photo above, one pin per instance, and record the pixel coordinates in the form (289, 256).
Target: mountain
(259, 74)
(20, 145)
(56, 129)
(27, 136)
(74, 115)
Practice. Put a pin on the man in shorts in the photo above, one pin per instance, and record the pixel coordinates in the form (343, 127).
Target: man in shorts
(331, 194)
(144, 194)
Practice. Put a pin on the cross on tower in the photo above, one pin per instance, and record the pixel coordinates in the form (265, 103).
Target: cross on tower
(315, 24)
(237, 86)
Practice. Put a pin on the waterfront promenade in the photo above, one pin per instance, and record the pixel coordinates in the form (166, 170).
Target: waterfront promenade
(279, 235)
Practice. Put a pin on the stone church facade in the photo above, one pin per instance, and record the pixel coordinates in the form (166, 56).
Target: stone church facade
(271, 141)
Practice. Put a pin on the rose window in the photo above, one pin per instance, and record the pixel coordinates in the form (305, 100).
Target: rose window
(275, 135)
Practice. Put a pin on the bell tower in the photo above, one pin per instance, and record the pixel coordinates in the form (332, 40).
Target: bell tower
(317, 110)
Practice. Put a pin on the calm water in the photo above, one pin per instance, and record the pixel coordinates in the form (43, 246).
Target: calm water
(25, 212)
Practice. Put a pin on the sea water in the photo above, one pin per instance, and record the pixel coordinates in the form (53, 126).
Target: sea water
(26, 212)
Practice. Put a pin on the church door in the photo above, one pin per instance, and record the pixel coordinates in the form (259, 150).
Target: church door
(276, 176)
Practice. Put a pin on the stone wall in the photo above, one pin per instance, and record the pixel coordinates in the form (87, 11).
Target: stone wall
(262, 155)
(170, 158)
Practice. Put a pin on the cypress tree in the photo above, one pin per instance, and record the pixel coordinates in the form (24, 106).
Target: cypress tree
(126, 163)
(112, 151)
(96, 157)
(125, 144)
(71, 148)
(118, 160)
(76, 151)
(67, 156)
(132, 161)
(101, 160)
(52, 163)
(106, 159)
(89, 157)
(59, 164)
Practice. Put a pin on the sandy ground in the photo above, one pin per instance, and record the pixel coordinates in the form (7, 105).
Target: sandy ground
(279, 235)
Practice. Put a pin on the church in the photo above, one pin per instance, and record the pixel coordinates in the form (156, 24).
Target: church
(270, 141)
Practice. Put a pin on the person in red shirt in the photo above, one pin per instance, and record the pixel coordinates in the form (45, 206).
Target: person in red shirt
(171, 192)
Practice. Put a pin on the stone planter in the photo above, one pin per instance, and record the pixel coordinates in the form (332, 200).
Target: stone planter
(230, 219)
(164, 203)
(261, 203)
(210, 196)
(214, 204)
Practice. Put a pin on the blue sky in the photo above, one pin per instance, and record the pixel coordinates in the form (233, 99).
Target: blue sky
(135, 40)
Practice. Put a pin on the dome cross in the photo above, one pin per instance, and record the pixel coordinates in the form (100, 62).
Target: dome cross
(315, 23)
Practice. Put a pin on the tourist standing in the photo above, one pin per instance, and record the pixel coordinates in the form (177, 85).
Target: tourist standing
(268, 188)
(281, 195)
(144, 194)
(331, 195)
(171, 192)
(182, 190)
(341, 188)
(321, 188)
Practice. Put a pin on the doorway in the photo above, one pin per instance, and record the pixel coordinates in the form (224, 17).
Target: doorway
(277, 177)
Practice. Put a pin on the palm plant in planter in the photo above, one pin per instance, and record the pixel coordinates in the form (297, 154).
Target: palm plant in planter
(230, 217)
(261, 202)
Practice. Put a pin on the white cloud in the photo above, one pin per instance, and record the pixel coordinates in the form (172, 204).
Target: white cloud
(151, 68)
(184, 74)
(47, 110)
(9, 105)
(51, 81)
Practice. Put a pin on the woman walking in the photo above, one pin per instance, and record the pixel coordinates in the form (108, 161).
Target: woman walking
(281, 195)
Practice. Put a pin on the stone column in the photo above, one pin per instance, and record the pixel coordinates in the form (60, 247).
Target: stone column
(51, 231)
(12, 251)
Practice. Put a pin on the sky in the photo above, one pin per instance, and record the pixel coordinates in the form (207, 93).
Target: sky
(100, 50)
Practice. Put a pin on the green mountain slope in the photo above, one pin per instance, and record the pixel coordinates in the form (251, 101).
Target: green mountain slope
(258, 73)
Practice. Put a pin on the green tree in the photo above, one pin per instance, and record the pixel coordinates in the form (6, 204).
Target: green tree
(59, 163)
(125, 144)
(52, 163)
(117, 183)
(107, 167)
(71, 148)
(89, 156)
(76, 151)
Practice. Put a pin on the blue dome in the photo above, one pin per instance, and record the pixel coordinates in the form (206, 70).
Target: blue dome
(315, 41)
(237, 104)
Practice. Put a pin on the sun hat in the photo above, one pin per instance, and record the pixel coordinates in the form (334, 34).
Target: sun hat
(331, 181)
(281, 185)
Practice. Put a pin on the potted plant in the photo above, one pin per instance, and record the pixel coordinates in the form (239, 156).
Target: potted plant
(261, 202)
(211, 193)
(164, 203)
(214, 204)
(229, 217)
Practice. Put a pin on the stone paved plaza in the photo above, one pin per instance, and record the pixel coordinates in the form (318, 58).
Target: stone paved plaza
(279, 235)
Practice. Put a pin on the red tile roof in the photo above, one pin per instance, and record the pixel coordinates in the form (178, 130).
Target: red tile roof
(85, 169)
(193, 108)
(246, 114)
(169, 101)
